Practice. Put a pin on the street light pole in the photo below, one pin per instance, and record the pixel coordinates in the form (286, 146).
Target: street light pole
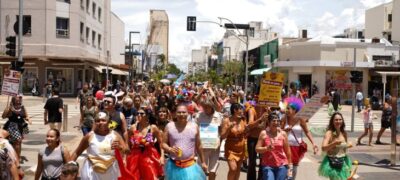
(353, 104)
(247, 52)
(246, 66)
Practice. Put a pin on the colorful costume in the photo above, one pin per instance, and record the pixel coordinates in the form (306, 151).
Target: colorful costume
(327, 167)
(183, 167)
(101, 163)
(235, 145)
(16, 125)
(143, 161)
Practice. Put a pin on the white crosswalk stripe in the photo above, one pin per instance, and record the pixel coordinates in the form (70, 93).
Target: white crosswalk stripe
(321, 120)
(36, 113)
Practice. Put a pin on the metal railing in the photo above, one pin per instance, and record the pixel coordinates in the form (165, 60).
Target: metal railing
(62, 32)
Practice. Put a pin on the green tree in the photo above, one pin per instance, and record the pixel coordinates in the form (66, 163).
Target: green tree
(231, 72)
(172, 69)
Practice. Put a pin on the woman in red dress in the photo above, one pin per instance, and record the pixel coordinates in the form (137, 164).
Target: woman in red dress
(144, 162)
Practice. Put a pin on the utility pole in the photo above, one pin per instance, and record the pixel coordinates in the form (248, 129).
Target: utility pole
(20, 23)
(246, 66)
(353, 101)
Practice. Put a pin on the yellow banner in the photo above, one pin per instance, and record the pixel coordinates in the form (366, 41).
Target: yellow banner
(271, 89)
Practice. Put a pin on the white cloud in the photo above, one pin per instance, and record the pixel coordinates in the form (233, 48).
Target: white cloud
(372, 3)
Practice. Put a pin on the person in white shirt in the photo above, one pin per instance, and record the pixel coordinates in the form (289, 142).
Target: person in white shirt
(368, 127)
(359, 97)
(210, 121)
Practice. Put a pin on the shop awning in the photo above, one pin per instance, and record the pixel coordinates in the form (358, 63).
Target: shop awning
(114, 71)
(259, 71)
(119, 72)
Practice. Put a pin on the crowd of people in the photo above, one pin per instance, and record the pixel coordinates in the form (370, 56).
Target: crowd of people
(159, 131)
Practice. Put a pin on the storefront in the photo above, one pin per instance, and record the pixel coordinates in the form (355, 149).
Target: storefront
(340, 80)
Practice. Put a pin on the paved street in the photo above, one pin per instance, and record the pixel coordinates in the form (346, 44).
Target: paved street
(373, 160)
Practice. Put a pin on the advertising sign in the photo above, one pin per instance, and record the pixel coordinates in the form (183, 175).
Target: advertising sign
(271, 89)
(11, 82)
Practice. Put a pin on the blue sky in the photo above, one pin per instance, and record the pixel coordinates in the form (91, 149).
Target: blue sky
(320, 17)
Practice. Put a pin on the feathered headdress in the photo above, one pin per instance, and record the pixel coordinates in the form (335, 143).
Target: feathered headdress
(294, 103)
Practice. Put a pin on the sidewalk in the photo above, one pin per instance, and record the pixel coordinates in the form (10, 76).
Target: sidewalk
(36, 139)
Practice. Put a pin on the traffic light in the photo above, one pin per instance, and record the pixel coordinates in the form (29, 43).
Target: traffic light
(191, 23)
(356, 76)
(13, 65)
(11, 44)
(18, 66)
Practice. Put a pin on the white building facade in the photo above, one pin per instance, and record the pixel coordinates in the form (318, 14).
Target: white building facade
(328, 62)
(69, 42)
(383, 21)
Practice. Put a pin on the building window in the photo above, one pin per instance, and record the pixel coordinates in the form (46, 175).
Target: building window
(62, 27)
(99, 12)
(82, 5)
(390, 17)
(82, 29)
(99, 41)
(66, 1)
(87, 34)
(61, 78)
(87, 6)
(94, 10)
(94, 38)
(30, 80)
(26, 19)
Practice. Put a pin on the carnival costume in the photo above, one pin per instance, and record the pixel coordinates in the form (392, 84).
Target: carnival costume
(336, 165)
(143, 160)
(235, 145)
(101, 163)
(183, 166)
(16, 125)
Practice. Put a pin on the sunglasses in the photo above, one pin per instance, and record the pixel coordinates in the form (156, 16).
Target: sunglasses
(181, 112)
(162, 112)
(107, 101)
(141, 113)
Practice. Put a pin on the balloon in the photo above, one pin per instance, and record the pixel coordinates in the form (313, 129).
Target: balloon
(100, 95)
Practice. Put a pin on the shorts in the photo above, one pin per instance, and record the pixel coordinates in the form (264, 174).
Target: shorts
(368, 125)
(211, 157)
(385, 124)
(55, 125)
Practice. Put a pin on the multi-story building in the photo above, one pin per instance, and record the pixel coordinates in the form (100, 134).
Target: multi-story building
(352, 33)
(383, 21)
(68, 42)
(196, 67)
(234, 48)
(158, 38)
(328, 62)
(199, 60)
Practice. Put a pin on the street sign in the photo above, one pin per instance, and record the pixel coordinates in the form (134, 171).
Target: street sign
(347, 64)
(11, 83)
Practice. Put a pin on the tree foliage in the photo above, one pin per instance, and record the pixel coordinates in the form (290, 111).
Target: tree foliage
(232, 71)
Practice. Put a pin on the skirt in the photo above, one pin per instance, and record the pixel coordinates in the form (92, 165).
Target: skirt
(193, 172)
(326, 170)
